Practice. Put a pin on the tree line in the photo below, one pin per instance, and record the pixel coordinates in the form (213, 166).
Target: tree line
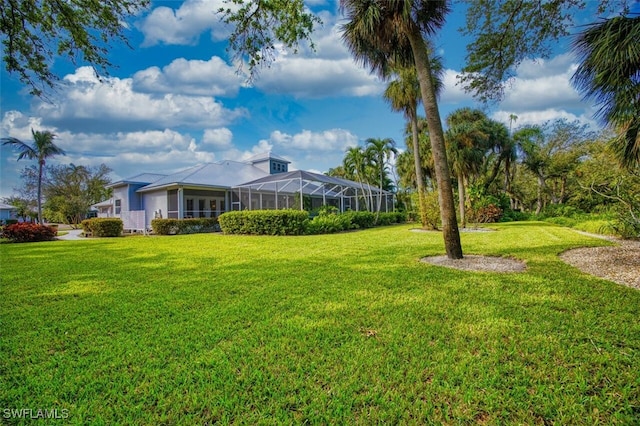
(58, 193)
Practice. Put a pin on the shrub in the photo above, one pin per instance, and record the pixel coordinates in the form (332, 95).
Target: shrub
(486, 214)
(561, 210)
(10, 221)
(28, 232)
(103, 226)
(360, 220)
(514, 216)
(389, 218)
(264, 222)
(431, 207)
(184, 226)
(328, 224)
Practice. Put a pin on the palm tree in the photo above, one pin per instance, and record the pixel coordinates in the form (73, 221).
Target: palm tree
(42, 148)
(609, 74)
(385, 33)
(380, 151)
(355, 164)
(529, 140)
(468, 140)
(403, 94)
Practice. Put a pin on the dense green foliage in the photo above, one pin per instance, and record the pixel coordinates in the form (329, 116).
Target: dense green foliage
(264, 222)
(184, 226)
(329, 224)
(36, 32)
(71, 190)
(261, 28)
(294, 222)
(26, 232)
(332, 329)
(609, 74)
(103, 227)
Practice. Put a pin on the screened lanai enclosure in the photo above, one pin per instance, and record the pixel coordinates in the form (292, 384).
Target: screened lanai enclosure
(309, 191)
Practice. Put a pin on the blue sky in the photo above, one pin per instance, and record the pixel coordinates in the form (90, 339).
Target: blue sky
(176, 100)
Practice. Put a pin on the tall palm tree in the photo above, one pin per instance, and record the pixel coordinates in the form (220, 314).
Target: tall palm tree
(380, 151)
(355, 164)
(403, 94)
(609, 74)
(42, 148)
(385, 33)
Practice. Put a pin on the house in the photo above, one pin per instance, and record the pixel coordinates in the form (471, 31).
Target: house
(208, 190)
(7, 211)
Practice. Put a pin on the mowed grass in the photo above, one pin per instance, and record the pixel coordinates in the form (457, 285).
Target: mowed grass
(336, 329)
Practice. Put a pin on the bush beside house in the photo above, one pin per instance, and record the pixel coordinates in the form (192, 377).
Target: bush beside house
(184, 226)
(295, 222)
(264, 222)
(103, 227)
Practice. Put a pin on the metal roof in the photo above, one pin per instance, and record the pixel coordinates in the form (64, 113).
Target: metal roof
(305, 176)
(224, 174)
(142, 178)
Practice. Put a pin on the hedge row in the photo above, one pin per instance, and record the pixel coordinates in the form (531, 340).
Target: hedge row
(184, 226)
(264, 222)
(26, 232)
(295, 222)
(103, 227)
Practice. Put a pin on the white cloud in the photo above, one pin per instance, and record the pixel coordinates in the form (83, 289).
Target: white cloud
(127, 153)
(453, 93)
(317, 77)
(543, 85)
(184, 25)
(191, 77)
(327, 140)
(220, 138)
(88, 103)
(326, 72)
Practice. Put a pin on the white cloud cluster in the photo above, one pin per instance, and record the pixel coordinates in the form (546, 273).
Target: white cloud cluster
(183, 26)
(327, 140)
(316, 77)
(190, 77)
(541, 91)
(89, 103)
(127, 153)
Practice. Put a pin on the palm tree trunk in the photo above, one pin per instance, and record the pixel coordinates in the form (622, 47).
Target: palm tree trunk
(380, 193)
(450, 230)
(418, 166)
(541, 187)
(461, 201)
(40, 170)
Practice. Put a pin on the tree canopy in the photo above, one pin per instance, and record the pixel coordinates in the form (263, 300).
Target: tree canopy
(35, 32)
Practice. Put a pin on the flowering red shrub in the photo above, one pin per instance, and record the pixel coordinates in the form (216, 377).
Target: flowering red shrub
(28, 232)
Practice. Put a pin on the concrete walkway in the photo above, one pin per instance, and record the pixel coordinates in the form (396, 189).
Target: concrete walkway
(73, 234)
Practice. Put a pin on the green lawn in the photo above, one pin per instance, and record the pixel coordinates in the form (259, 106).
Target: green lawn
(348, 328)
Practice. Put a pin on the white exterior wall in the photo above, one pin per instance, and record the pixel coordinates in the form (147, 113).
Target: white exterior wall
(152, 201)
(121, 193)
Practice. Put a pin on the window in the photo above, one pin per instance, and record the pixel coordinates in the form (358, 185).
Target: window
(118, 205)
(189, 208)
